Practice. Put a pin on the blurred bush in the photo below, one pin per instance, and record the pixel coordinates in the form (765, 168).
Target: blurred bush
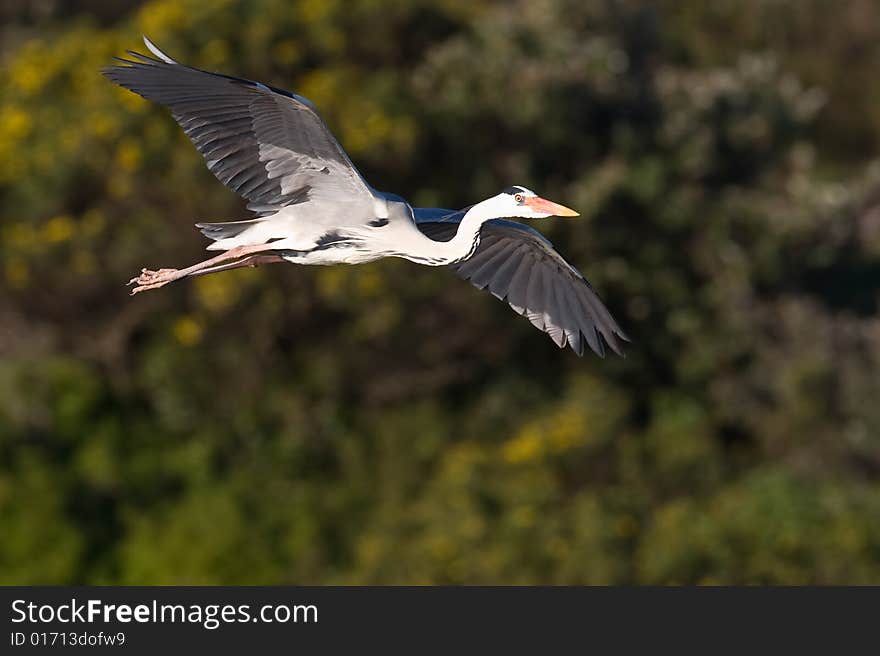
(387, 423)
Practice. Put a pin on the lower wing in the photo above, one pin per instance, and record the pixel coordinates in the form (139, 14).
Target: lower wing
(519, 265)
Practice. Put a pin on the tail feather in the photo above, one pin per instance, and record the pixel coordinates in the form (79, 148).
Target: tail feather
(217, 231)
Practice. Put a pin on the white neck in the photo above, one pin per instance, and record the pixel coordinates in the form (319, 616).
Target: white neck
(467, 238)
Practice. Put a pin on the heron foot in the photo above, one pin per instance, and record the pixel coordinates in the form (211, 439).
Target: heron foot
(149, 279)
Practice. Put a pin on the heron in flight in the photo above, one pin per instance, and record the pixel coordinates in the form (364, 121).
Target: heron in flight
(312, 206)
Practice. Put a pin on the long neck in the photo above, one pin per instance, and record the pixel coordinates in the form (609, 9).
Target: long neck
(460, 247)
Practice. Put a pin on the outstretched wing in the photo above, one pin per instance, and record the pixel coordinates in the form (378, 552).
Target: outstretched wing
(518, 264)
(267, 145)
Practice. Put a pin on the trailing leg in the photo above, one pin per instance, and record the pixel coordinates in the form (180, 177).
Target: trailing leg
(153, 279)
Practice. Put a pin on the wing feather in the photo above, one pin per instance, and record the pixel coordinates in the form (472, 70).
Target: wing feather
(535, 297)
(516, 263)
(268, 145)
(569, 321)
(499, 285)
(483, 276)
(519, 283)
(552, 312)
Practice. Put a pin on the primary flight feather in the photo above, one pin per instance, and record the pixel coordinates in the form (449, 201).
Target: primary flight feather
(312, 205)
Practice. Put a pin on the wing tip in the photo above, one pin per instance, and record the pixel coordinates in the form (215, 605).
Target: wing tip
(614, 344)
(152, 47)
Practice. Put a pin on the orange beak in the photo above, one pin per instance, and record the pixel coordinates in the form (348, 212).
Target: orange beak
(549, 207)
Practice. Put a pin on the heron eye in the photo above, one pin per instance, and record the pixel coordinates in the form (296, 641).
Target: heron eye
(518, 198)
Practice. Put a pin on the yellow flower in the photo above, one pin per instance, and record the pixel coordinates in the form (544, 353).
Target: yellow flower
(188, 331)
(525, 447)
(286, 52)
(217, 293)
(158, 17)
(15, 123)
(128, 155)
(30, 71)
(315, 11)
(215, 53)
(105, 125)
(58, 229)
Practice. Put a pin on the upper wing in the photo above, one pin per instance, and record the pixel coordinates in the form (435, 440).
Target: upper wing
(266, 144)
(518, 264)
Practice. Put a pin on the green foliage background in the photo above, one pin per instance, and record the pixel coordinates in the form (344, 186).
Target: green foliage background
(389, 424)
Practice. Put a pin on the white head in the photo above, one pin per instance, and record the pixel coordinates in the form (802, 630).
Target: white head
(524, 203)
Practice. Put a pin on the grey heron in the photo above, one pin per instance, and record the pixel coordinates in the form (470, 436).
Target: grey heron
(312, 206)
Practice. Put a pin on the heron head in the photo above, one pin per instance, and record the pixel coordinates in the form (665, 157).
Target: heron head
(525, 203)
